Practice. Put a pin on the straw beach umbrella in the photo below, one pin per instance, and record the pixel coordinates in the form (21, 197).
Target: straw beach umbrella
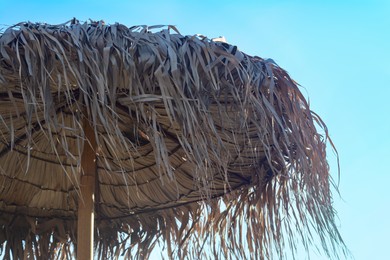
(113, 139)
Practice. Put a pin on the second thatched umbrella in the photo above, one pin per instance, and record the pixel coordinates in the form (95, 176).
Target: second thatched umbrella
(154, 135)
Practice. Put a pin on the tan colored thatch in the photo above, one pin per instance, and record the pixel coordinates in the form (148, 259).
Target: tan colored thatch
(200, 145)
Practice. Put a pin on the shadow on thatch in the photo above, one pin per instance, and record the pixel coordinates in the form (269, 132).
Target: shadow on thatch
(199, 145)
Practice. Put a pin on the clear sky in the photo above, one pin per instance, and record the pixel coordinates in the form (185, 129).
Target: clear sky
(337, 50)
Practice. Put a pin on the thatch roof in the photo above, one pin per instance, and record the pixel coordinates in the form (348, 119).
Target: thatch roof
(198, 144)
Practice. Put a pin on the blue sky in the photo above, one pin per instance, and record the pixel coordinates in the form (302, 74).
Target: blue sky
(337, 50)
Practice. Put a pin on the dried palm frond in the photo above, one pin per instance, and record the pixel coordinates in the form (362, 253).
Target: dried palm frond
(201, 146)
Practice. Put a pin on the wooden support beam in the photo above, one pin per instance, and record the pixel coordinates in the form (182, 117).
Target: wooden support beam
(85, 223)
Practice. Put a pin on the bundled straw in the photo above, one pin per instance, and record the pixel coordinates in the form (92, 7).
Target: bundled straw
(200, 146)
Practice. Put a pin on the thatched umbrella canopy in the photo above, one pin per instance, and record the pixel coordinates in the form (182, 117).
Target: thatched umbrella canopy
(158, 137)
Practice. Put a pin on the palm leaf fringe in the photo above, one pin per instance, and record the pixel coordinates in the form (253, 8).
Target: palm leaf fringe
(203, 148)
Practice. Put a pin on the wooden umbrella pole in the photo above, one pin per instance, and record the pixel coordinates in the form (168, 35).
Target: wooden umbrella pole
(85, 223)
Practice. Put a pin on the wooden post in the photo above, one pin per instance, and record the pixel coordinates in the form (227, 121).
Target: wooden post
(85, 222)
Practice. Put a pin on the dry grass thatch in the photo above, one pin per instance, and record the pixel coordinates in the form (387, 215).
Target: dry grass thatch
(210, 150)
